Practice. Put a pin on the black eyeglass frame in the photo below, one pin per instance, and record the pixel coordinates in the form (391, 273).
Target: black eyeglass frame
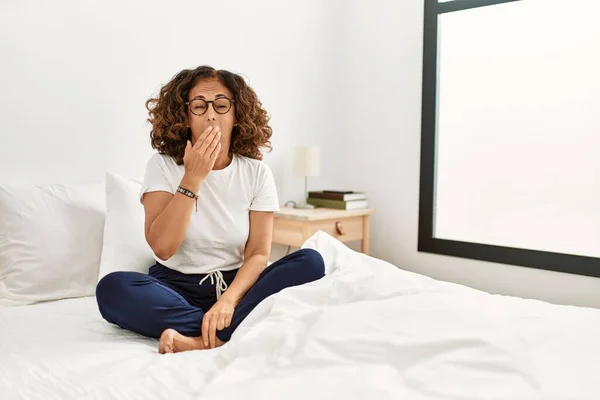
(211, 102)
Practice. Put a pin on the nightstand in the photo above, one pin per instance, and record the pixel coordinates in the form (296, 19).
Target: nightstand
(293, 226)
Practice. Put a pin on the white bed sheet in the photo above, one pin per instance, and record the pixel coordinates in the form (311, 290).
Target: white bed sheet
(365, 331)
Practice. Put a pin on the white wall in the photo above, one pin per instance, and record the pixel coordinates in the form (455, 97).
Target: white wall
(75, 76)
(377, 73)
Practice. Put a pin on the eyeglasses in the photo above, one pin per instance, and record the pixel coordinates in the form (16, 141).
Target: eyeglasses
(222, 105)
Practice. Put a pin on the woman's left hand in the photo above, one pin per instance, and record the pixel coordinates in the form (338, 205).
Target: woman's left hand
(217, 318)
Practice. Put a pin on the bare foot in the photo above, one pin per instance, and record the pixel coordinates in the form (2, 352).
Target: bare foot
(172, 341)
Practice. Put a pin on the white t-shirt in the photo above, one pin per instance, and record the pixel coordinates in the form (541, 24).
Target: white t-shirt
(219, 230)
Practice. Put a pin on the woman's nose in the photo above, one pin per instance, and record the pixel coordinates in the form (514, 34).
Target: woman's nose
(210, 113)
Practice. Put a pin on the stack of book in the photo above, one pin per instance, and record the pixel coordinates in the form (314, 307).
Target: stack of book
(342, 200)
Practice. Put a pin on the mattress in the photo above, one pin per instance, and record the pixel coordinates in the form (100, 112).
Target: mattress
(368, 330)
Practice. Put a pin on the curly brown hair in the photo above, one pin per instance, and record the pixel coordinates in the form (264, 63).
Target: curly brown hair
(168, 115)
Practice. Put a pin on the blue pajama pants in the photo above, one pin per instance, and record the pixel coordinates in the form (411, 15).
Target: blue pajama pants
(149, 304)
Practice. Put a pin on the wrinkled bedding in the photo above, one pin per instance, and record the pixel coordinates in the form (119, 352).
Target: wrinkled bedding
(368, 330)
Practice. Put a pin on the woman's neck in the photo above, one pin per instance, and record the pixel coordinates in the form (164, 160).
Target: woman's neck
(223, 162)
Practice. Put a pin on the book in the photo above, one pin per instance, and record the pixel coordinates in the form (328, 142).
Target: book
(337, 195)
(338, 204)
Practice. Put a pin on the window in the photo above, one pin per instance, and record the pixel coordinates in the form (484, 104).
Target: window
(510, 140)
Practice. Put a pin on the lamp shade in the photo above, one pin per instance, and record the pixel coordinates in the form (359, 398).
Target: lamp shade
(307, 161)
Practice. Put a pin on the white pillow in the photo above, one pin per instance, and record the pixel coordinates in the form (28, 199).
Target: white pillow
(50, 241)
(125, 247)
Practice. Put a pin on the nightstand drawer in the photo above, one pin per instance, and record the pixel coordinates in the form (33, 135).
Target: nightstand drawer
(343, 229)
(292, 226)
(289, 232)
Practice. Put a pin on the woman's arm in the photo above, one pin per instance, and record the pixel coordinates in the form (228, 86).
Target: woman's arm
(256, 256)
(168, 217)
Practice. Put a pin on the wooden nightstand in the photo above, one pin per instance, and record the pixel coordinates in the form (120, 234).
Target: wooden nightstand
(292, 226)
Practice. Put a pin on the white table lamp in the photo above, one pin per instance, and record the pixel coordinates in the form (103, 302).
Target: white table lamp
(307, 162)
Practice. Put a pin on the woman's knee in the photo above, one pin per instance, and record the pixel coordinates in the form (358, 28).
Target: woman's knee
(113, 287)
(312, 263)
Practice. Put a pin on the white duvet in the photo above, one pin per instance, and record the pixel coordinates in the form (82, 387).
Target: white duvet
(366, 331)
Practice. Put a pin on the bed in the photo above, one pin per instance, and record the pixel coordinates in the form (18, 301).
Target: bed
(368, 330)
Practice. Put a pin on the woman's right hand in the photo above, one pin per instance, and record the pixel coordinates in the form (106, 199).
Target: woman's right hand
(200, 158)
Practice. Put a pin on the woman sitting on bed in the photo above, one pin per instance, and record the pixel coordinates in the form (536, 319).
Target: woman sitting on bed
(209, 203)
